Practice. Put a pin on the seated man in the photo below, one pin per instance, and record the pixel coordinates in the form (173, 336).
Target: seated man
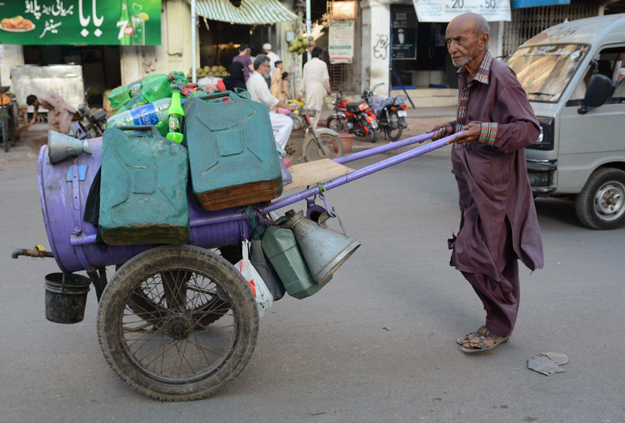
(60, 113)
(282, 125)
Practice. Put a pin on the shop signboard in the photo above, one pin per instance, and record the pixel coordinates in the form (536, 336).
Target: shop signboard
(446, 10)
(404, 38)
(80, 22)
(341, 42)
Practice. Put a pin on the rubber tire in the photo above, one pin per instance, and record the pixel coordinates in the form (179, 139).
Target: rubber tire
(399, 129)
(341, 127)
(584, 202)
(192, 257)
(311, 141)
(373, 134)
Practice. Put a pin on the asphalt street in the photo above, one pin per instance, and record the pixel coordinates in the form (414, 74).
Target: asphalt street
(376, 345)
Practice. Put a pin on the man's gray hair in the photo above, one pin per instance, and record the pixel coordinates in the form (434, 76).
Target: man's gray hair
(481, 25)
(260, 60)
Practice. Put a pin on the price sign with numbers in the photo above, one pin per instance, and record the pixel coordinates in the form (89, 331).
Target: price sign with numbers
(446, 10)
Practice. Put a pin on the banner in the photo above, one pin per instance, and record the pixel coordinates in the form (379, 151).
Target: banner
(90, 22)
(446, 10)
(341, 42)
(403, 37)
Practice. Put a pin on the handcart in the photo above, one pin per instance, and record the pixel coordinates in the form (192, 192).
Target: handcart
(176, 322)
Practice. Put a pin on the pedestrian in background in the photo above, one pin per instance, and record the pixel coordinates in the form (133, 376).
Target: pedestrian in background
(273, 57)
(316, 84)
(236, 79)
(60, 113)
(259, 91)
(245, 60)
(498, 223)
(276, 80)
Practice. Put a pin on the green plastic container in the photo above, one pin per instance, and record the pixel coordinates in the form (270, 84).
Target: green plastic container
(122, 95)
(281, 249)
(143, 195)
(232, 152)
(149, 89)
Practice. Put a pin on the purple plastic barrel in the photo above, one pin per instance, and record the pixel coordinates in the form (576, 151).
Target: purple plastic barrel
(63, 190)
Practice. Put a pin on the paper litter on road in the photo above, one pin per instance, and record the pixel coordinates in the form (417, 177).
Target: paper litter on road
(548, 363)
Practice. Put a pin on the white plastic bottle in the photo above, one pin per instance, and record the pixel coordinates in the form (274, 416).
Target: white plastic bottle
(149, 114)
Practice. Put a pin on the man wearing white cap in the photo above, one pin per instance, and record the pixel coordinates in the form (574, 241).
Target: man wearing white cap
(273, 57)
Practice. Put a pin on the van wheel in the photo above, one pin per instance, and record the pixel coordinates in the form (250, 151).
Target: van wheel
(601, 204)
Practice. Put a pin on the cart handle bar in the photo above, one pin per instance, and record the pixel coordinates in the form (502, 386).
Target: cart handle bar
(230, 216)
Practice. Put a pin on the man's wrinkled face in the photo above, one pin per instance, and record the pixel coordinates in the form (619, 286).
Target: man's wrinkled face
(462, 41)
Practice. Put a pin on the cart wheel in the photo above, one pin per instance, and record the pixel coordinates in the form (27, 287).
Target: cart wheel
(167, 350)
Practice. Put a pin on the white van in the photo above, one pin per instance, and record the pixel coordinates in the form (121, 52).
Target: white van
(574, 77)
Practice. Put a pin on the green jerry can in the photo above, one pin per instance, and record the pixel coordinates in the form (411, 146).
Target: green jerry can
(143, 194)
(233, 158)
(280, 247)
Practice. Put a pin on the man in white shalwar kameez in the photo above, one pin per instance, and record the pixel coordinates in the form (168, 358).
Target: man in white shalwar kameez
(259, 91)
(316, 84)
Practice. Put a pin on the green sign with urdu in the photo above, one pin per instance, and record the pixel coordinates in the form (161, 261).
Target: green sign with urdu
(91, 22)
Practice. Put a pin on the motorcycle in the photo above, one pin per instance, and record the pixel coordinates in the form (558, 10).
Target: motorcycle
(319, 143)
(95, 118)
(391, 112)
(353, 117)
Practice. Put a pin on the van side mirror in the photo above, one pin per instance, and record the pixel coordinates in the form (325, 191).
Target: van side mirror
(598, 92)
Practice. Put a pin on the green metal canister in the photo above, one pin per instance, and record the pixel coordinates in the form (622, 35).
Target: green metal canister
(280, 247)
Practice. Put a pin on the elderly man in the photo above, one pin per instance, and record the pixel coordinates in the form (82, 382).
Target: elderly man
(498, 223)
(282, 125)
(316, 84)
(60, 113)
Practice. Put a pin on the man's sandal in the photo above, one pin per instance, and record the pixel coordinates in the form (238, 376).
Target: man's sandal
(485, 339)
(464, 339)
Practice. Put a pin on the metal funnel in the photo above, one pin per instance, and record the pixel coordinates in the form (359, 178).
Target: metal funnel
(324, 250)
(60, 147)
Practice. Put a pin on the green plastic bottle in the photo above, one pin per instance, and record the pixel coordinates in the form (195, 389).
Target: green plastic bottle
(124, 18)
(175, 117)
(148, 90)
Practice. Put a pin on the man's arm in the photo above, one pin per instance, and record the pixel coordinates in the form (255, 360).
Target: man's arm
(518, 128)
(326, 78)
(265, 97)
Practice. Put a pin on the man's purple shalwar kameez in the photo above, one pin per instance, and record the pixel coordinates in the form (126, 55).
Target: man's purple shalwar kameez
(498, 223)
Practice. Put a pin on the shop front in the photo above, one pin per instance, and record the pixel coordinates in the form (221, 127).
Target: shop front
(90, 34)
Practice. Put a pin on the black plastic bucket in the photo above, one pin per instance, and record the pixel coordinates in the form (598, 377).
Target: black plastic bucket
(66, 297)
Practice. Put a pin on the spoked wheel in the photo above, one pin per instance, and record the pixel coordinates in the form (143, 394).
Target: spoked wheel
(177, 323)
(332, 147)
(395, 129)
(338, 125)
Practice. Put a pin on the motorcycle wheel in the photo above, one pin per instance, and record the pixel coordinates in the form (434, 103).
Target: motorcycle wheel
(367, 132)
(394, 134)
(338, 125)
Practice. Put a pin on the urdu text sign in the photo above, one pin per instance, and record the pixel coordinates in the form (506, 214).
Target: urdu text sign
(90, 22)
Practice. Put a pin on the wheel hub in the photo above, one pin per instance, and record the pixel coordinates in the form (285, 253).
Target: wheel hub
(178, 328)
(610, 200)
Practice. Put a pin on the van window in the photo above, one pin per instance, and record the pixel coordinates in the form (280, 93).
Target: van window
(545, 71)
(611, 63)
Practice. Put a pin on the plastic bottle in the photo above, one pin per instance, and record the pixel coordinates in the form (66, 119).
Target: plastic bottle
(124, 17)
(149, 114)
(152, 87)
(175, 117)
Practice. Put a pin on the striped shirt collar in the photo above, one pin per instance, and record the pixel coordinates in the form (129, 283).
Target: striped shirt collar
(483, 72)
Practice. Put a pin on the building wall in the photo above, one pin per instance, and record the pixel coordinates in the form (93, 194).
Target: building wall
(12, 56)
(375, 38)
(175, 51)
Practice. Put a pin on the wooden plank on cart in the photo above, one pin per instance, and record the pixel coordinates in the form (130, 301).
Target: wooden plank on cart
(312, 173)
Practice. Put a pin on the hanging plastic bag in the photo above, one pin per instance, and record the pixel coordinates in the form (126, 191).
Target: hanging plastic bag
(264, 300)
